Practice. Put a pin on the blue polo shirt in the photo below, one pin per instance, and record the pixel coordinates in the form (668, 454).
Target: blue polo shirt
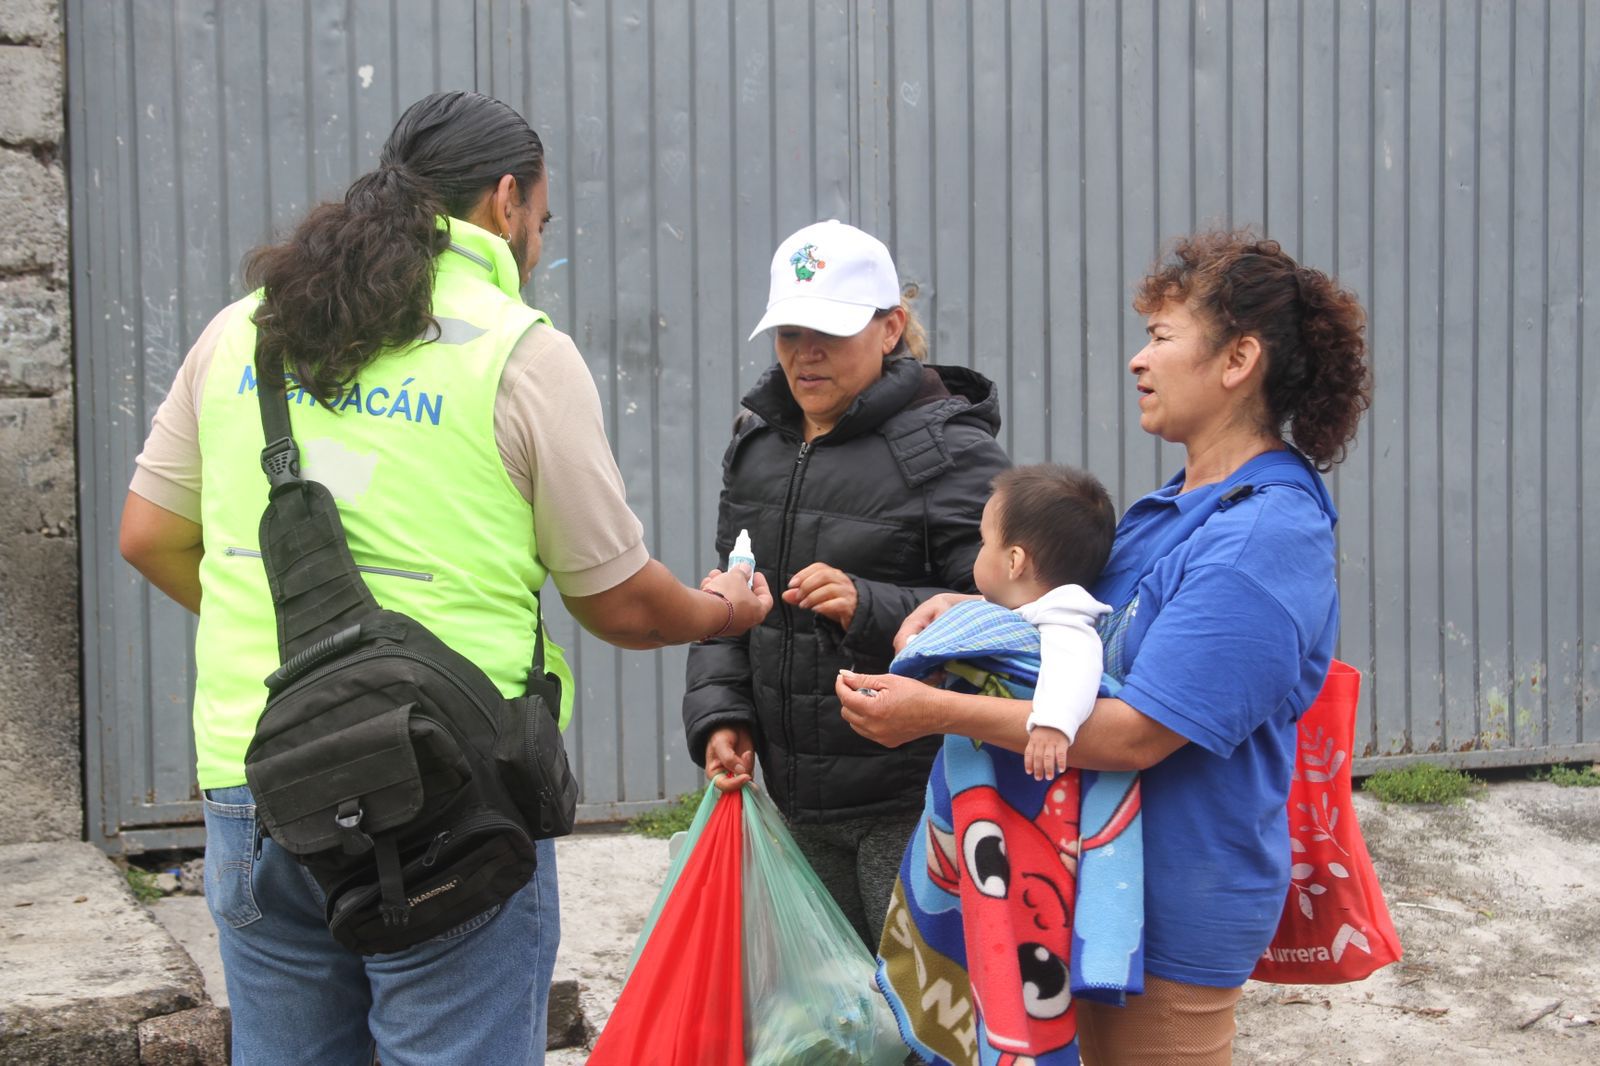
(1229, 642)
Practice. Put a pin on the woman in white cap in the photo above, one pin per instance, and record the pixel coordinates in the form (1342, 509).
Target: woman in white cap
(860, 474)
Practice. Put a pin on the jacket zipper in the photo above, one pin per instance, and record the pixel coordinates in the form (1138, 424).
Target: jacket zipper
(786, 660)
(385, 571)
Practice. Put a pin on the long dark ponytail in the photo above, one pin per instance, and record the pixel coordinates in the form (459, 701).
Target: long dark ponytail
(356, 276)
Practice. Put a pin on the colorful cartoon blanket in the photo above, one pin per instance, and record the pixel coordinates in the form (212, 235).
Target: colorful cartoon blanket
(1015, 896)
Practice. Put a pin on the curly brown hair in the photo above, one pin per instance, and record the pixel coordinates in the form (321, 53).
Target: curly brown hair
(356, 276)
(1312, 332)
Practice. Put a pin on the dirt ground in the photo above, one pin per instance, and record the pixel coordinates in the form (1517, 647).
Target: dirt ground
(1497, 903)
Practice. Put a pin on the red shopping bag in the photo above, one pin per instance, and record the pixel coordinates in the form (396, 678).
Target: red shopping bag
(683, 1004)
(1335, 926)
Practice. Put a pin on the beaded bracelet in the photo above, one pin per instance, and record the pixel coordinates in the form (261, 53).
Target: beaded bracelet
(728, 624)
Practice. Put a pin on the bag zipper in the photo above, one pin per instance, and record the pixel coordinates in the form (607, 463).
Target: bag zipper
(382, 571)
(530, 747)
(396, 650)
(470, 827)
(485, 820)
(473, 826)
(434, 845)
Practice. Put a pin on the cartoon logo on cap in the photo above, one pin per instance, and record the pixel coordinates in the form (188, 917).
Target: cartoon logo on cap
(805, 263)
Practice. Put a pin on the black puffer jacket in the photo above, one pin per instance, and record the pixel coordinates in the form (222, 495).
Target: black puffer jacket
(893, 497)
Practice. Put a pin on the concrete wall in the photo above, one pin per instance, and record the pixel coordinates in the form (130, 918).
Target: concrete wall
(41, 792)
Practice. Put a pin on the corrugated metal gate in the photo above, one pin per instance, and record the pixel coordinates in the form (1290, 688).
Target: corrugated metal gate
(1023, 160)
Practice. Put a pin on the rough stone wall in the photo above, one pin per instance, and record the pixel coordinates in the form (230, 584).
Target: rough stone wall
(41, 792)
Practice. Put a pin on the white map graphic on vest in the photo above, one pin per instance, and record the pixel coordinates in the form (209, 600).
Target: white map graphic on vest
(347, 474)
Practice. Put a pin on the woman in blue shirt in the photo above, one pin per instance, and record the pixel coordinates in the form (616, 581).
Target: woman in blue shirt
(1227, 612)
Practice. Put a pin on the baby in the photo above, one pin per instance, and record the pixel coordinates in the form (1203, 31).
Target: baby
(1047, 533)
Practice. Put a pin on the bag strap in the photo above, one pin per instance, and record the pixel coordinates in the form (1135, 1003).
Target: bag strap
(1280, 468)
(280, 459)
(318, 593)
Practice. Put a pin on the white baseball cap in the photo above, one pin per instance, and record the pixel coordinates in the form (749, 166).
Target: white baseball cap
(830, 277)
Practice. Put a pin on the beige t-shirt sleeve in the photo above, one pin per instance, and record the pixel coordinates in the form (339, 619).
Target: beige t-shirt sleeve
(167, 471)
(547, 424)
(552, 438)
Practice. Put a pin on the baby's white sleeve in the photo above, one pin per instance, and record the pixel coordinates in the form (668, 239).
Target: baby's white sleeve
(1070, 660)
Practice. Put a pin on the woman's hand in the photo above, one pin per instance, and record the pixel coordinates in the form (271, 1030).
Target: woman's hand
(751, 602)
(826, 590)
(923, 616)
(886, 708)
(730, 751)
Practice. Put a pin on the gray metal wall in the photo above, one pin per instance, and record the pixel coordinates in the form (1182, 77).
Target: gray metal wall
(1024, 160)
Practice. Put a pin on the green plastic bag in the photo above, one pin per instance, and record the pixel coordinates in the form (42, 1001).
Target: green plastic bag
(810, 994)
(702, 814)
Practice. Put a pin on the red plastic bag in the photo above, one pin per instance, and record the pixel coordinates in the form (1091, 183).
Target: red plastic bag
(683, 1003)
(1335, 926)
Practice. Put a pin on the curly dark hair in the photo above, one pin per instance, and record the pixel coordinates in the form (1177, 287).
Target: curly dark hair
(356, 276)
(1312, 332)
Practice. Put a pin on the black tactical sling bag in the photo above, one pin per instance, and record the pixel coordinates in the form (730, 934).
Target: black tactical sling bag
(388, 764)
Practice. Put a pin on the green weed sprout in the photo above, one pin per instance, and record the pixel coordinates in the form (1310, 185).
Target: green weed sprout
(662, 822)
(1570, 776)
(1421, 783)
(143, 883)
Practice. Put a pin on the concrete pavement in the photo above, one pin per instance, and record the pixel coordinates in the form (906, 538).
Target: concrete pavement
(88, 977)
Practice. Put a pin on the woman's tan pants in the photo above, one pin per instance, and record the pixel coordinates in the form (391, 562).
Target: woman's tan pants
(1172, 1024)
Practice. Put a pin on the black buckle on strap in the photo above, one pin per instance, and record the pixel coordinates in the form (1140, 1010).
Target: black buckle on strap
(281, 461)
(348, 818)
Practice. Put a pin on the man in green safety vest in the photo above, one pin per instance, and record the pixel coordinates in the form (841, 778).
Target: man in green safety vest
(463, 439)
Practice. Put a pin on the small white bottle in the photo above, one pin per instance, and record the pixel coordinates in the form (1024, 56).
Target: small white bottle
(742, 556)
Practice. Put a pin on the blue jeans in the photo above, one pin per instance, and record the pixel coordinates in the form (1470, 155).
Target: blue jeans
(476, 994)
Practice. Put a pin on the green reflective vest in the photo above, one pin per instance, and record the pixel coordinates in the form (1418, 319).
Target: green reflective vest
(437, 526)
